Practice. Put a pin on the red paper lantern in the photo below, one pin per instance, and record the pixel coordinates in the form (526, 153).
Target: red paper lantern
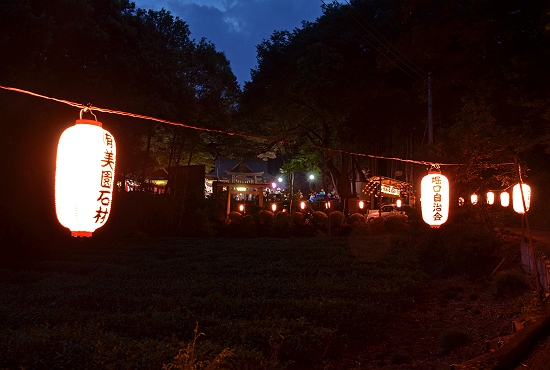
(84, 177)
(435, 198)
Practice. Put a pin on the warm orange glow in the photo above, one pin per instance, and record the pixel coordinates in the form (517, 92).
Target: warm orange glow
(517, 202)
(84, 177)
(504, 199)
(473, 199)
(241, 207)
(274, 207)
(361, 204)
(490, 198)
(398, 203)
(434, 190)
(302, 205)
(327, 205)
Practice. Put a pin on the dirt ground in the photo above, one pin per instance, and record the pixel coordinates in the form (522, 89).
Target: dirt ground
(417, 340)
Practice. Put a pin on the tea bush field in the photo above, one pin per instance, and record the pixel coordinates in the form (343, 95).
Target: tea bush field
(269, 303)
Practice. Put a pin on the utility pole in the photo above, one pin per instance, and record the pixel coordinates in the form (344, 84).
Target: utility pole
(430, 118)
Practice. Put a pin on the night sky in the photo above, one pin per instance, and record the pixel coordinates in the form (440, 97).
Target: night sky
(237, 26)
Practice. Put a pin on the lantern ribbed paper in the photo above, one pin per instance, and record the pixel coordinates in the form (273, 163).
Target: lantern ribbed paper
(84, 177)
(517, 202)
(435, 199)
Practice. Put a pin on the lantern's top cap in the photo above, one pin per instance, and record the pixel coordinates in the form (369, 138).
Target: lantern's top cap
(88, 122)
(434, 168)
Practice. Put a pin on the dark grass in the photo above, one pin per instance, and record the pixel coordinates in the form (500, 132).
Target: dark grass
(275, 303)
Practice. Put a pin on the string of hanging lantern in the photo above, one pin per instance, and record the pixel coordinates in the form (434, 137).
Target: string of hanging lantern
(86, 154)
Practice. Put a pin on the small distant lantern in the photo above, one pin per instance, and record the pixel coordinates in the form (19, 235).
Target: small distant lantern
(327, 205)
(398, 203)
(473, 199)
(460, 201)
(302, 205)
(517, 201)
(435, 198)
(504, 199)
(361, 204)
(241, 207)
(84, 177)
(490, 198)
(274, 207)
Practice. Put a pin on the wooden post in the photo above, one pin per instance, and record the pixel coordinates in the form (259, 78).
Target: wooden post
(531, 247)
(228, 200)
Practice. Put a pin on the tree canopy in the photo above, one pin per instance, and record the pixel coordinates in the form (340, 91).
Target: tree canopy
(112, 55)
(342, 90)
(357, 80)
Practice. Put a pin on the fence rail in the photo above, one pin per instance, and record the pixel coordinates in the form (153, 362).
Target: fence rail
(543, 266)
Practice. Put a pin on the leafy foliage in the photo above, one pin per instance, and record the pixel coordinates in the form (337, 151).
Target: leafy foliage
(137, 303)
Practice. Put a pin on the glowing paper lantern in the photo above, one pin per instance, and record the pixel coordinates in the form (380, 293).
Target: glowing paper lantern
(398, 203)
(504, 199)
(241, 207)
(473, 199)
(302, 205)
(361, 204)
(84, 177)
(517, 202)
(274, 207)
(435, 199)
(490, 198)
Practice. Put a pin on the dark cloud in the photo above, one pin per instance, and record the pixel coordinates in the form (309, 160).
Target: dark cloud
(237, 26)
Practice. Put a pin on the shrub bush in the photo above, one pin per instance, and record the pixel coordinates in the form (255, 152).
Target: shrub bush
(376, 226)
(265, 222)
(319, 220)
(396, 224)
(452, 339)
(509, 282)
(235, 216)
(265, 217)
(297, 218)
(458, 249)
(282, 225)
(356, 221)
(241, 226)
(336, 219)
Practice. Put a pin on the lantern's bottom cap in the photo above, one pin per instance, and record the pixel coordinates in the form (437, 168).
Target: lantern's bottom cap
(86, 234)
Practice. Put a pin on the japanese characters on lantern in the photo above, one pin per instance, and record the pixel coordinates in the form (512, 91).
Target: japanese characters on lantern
(435, 199)
(84, 178)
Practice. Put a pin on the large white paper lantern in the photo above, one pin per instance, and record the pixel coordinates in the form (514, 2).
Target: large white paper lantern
(84, 177)
(435, 199)
(517, 202)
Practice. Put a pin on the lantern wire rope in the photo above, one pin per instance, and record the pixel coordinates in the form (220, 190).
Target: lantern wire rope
(89, 108)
